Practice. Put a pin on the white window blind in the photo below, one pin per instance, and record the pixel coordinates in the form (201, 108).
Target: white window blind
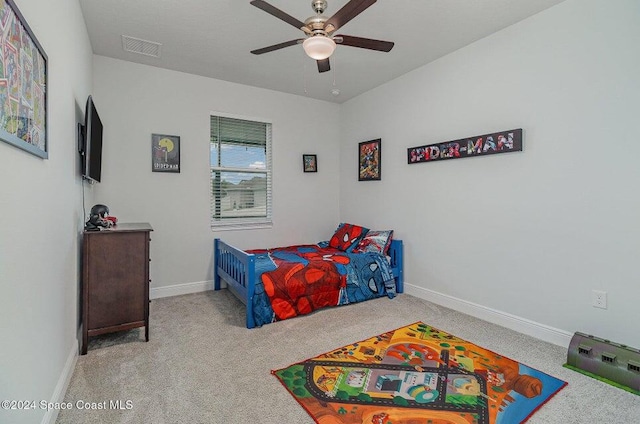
(240, 173)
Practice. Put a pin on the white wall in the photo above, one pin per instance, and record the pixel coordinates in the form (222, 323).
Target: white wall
(135, 101)
(528, 234)
(525, 234)
(41, 211)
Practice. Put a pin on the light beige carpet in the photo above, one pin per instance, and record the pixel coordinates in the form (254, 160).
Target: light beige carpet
(202, 365)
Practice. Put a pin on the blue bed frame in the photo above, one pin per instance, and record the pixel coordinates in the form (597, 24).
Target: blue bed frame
(237, 269)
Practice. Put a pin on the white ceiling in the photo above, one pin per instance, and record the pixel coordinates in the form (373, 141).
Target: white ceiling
(213, 38)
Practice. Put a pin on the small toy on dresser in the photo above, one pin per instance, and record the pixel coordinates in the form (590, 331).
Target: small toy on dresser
(99, 219)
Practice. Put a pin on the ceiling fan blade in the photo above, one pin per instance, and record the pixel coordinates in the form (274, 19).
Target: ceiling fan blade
(364, 43)
(260, 4)
(276, 46)
(348, 12)
(323, 65)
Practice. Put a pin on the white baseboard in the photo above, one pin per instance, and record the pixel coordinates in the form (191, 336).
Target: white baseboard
(63, 383)
(178, 289)
(513, 322)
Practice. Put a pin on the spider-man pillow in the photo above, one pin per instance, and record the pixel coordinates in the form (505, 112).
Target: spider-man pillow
(375, 241)
(347, 237)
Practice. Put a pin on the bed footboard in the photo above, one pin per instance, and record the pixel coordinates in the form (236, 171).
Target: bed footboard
(237, 269)
(397, 263)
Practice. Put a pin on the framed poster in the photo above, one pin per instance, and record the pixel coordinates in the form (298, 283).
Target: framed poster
(309, 163)
(23, 84)
(478, 145)
(369, 160)
(165, 153)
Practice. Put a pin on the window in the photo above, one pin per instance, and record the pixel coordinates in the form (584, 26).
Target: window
(608, 357)
(240, 173)
(584, 350)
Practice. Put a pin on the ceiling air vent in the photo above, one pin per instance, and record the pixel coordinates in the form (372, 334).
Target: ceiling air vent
(136, 45)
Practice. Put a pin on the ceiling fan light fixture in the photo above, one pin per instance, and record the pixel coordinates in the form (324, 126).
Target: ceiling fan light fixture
(319, 47)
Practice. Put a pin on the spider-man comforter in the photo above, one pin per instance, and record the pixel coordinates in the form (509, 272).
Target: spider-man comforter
(297, 280)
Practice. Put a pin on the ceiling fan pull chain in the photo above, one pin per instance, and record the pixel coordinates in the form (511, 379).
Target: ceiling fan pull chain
(335, 90)
(304, 73)
(334, 69)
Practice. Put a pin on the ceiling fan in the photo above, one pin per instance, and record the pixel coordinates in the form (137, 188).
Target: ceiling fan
(320, 42)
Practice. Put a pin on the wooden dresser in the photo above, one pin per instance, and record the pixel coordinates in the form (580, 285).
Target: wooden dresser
(115, 280)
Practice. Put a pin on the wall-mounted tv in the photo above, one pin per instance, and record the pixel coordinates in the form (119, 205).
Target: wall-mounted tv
(90, 143)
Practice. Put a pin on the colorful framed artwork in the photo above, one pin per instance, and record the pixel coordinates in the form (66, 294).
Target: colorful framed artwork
(165, 153)
(479, 145)
(309, 163)
(23, 84)
(369, 160)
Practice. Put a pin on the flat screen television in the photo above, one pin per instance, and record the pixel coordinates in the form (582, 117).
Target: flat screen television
(90, 143)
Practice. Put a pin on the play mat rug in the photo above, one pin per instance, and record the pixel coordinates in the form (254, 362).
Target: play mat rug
(417, 374)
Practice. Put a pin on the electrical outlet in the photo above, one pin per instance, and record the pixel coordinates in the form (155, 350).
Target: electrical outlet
(599, 299)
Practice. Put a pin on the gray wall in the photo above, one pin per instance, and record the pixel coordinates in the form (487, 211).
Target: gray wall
(521, 237)
(137, 100)
(41, 211)
(525, 236)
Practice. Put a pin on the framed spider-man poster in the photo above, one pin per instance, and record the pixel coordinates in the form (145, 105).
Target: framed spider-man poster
(479, 145)
(369, 160)
(165, 153)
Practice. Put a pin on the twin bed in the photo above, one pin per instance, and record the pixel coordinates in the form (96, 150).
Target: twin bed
(285, 282)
